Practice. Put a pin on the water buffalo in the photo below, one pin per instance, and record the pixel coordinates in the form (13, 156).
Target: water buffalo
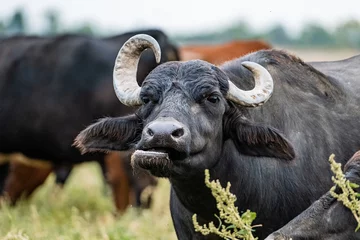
(197, 116)
(327, 218)
(50, 88)
(220, 53)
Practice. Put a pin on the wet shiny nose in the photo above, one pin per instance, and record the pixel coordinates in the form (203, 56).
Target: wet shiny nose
(165, 128)
(166, 134)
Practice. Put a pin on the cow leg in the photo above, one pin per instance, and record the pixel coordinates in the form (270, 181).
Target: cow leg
(24, 178)
(104, 178)
(144, 185)
(118, 179)
(62, 173)
(4, 170)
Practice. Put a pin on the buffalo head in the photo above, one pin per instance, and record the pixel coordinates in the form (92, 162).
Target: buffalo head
(188, 110)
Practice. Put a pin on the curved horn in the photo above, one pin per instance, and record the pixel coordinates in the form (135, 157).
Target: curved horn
(124, 76)
(262, 91)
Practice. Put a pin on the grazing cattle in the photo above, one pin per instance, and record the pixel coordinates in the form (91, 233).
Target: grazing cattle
(220, 53)
(327, 218)
(50, 88)
(197, 116)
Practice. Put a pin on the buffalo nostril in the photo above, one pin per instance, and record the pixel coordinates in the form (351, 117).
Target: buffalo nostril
(178, 132)
(150, 132)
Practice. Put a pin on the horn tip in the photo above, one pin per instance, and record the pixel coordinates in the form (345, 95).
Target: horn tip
(248, 64)
(158, 58)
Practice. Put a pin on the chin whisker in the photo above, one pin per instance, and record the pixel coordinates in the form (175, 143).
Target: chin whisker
(157, 163)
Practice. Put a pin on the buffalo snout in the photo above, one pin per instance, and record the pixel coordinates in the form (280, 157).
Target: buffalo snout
(166, 132)
(165, 128)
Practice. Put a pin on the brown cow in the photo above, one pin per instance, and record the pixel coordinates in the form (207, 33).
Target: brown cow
(22, 176)
(217, 54)
(25, 175)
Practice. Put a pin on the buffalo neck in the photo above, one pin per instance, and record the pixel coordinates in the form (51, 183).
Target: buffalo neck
(254, 180)
(195, 195)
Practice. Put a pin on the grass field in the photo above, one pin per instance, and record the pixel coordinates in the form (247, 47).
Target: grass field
(321, 54)
(82, 211)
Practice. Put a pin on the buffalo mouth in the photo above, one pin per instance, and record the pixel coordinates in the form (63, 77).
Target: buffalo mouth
(157, 160)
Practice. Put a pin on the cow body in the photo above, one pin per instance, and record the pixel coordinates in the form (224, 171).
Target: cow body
(220, 53)
(327, 218)
(51, 87)
(274, 155)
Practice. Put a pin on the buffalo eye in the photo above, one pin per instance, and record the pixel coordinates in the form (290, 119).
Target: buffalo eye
(149, 98)
(145, 99)
(213, 98)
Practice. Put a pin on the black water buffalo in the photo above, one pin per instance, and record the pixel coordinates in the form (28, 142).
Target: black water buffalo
(327, 218)
(197, 116)
(50, 88)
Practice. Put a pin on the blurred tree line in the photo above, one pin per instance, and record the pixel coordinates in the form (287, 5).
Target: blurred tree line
(345, 35)
(18, 24)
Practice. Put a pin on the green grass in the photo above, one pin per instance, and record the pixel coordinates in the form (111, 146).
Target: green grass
(82, 211)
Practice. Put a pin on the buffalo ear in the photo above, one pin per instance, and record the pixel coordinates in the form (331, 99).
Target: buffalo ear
(254, 140)
(109, 134)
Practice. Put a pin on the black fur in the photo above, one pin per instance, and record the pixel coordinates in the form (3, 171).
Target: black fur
(327, 218)
(261, 141)
(52, 87)
(117, 134)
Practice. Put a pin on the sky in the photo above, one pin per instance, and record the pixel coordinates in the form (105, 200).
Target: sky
(184, 16)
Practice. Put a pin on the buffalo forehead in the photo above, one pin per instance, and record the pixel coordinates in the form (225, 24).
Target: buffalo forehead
(193, 73)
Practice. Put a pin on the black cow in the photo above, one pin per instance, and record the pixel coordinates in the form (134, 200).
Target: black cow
(196, 116)
(327, 218)
(50, 88)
